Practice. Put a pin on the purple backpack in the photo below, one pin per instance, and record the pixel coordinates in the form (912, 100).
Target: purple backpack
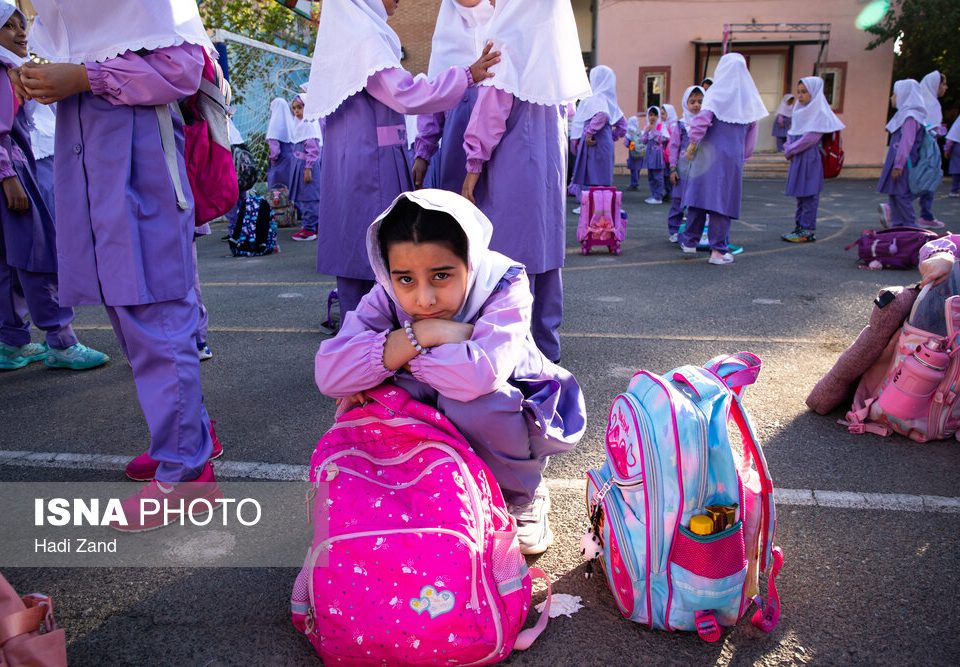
(895, 248)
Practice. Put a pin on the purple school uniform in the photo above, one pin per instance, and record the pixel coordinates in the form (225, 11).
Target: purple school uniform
(45, 181)
(715, 183)
(904, 143)
(805, 177)
(448, 162)
(281, 165)
(123, 241)
(521, 190)
(513, 425)
(306, 196)
(780, 132)
(679, 140)
(953, 166)
(28, 255)
(594, 164)
(654, 162)
(366, 165)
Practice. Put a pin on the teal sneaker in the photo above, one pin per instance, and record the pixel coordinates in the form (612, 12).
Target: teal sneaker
(77, 357)
(10, 358)
(34, 352)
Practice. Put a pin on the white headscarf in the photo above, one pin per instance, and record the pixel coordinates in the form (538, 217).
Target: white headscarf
(909, 104)
(7, 9)
(787, 107)
(954, 133)
(485, 267)
(816, 115)
(661, 121)
(603, 81)
(79, 31)
(458, 37)
(733, 97)
(687, 116)
(283, 124)
(44, 121)
(929, 87)
(540, 57)
(354, 42)
(308, 129)
(671, 113)
(633, 125)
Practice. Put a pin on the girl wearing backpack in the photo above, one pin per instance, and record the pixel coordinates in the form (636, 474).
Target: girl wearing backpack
(594, 131)
(28, 254)
(906, 132)
(722, 138)
(449, 321)
(125, 242)
(359, 87)
(812, 118)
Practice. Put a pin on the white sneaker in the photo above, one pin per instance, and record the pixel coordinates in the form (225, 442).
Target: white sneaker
(652, 200)
(533, 526)
(688, 250)
(674, 238)
(725, 258)
(954, 195)
(885, 215)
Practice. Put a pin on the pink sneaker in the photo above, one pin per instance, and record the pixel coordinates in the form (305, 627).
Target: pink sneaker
(144, 467)
(175, 500)
(931, 224)
(304, 235)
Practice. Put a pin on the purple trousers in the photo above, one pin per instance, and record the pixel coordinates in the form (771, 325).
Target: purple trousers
(955, 183)
(547, 290)
(23, 291)
(203, 320)
(350, 291)
(675, 216)
(158, 339)
(655, 180)
(901, 211)
(926, 206)
(718, 233)
(807, 212)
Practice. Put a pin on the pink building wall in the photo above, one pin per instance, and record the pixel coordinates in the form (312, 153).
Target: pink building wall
(644, 33)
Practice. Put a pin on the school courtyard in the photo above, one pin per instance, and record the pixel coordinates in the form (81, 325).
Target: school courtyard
(869, 526)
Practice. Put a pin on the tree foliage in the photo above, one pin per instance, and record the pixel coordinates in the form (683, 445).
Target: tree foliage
(929, 31)
(263, 20)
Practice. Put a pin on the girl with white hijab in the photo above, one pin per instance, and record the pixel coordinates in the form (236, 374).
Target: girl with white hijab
(457, 38)
(280, 140)
(360, 89)
(781, 124)
(812, 119)
(594, 131)
(125, 240)
(905, 128)
(932, 87)
(679, 166)
(516, 146)
(953, 154)
(459, 340)
(305, 193)
(722, 138)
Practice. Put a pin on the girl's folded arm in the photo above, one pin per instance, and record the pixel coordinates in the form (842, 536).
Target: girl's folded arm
(157, 77)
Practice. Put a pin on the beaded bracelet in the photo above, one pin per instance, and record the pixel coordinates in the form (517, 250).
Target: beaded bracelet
(408, 327)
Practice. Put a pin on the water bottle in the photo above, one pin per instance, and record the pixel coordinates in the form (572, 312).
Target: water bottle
(909, 394)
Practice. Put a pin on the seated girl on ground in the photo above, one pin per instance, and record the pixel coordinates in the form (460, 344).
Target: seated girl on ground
(449, 321)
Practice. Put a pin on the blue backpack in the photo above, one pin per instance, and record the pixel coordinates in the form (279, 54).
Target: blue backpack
(669, 465)
(255, 232)
(925, 175)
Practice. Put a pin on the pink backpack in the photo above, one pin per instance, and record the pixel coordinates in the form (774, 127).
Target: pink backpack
(415, 558)
(914, 387)
(601, 220)
(207, 152)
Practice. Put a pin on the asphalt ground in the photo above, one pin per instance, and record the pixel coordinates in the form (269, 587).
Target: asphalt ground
(867, 579)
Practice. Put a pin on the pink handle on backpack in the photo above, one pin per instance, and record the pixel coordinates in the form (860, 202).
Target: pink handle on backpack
(739, 379)
(526, 637)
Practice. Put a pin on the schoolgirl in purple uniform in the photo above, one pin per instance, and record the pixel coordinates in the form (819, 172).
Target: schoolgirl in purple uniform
(359, 87)
(905, 135)
(722, 138)
(783, 121)
(280, 140)
(123, 240)
(596, 127)
(305, 183)
(28, 259)
(953, 154)
(516, 147)
(655, 137)
(678, 163)
(932, 87)
(449, 321)
(457, 39)
(812, 118)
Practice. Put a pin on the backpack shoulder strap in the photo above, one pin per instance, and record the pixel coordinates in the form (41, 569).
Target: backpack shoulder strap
(169, 144)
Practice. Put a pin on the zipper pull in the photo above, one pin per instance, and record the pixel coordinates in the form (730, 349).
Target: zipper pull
(332, 471)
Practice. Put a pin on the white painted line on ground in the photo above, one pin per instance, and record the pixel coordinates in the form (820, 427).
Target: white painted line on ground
(897, 502)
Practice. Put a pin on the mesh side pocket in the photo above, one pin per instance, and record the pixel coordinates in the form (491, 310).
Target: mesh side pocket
(509, 566)
(713, 556)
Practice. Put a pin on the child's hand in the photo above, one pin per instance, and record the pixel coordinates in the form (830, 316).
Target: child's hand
(16, 197)
(591, 140)
(936, 268)
(480, 70)
(347, 403)
(18, 88)
(419, 172)
(308, 175)
(52, 82)
(691, 151)
(433, 332)
(896, 174)
(674, 178)
(469, 183)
